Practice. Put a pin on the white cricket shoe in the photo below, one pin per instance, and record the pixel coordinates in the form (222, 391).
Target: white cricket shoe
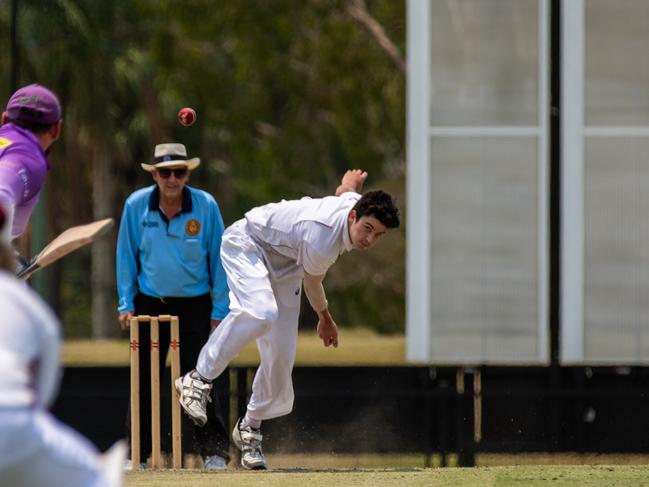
(112, 462)
(215, 462)
(194, 394)
(248, 440)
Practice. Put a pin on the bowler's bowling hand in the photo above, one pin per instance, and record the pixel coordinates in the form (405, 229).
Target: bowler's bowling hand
(327, 331)
(352, 181)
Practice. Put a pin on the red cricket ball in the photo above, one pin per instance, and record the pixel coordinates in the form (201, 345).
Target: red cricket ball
(186, 116)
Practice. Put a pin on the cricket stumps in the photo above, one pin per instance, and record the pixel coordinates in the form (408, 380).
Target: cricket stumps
(156, 454)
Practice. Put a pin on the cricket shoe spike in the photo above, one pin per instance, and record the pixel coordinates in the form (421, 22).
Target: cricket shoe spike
(194, 394)
(248, 440)
(112, 462)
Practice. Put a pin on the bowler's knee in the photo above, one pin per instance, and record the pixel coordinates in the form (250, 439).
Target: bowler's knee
(262, 319)
(267, 313)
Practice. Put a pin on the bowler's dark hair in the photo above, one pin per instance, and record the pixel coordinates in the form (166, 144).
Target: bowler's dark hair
(378, 204)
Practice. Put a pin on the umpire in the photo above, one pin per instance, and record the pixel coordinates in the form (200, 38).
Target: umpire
(168, 262)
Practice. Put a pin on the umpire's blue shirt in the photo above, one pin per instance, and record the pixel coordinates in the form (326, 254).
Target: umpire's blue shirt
(178, 258)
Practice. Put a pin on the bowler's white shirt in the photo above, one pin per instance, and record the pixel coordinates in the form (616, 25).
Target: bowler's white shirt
(305, 235)
(29, 336)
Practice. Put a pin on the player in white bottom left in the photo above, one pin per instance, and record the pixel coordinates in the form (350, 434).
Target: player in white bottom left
(36, 450)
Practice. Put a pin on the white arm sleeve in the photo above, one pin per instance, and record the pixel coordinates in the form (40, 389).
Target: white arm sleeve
(315, 293)
(46, 368)
(29, 346)
(48, 373)
(313, 262)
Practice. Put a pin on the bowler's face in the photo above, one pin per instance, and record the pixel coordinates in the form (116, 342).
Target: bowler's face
(366, 231)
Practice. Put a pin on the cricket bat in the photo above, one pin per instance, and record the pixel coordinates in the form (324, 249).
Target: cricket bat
(72, 239)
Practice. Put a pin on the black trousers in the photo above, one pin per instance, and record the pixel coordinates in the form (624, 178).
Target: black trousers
(194, 324)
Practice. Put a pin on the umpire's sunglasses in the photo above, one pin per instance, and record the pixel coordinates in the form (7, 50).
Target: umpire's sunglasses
(179, 173)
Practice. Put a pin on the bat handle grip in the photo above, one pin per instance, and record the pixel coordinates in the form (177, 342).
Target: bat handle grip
(25, 267)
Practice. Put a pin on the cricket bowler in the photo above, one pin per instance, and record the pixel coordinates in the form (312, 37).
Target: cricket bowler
(268, 256)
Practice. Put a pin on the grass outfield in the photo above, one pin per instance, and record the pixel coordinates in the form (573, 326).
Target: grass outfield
(522, 475)
(357, 348)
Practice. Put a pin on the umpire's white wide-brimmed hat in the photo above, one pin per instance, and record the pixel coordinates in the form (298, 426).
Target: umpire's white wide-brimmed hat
(171, 155)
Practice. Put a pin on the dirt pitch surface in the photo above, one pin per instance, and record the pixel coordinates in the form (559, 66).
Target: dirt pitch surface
(522, 475)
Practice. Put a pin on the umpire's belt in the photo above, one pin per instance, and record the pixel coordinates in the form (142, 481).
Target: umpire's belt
(175, 299)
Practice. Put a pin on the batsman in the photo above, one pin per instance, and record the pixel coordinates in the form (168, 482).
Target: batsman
(268, 256)
(31, 124)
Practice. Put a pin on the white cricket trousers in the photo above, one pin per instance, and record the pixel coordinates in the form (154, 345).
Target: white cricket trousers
(38, 451)
(260, 309)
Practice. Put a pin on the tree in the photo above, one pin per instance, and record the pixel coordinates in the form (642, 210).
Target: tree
(288, 94)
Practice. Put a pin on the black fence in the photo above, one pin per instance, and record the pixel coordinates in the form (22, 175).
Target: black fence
(430, 410)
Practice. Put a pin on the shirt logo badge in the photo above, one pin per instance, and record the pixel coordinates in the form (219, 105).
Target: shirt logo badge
(149, 224)
(192, 228)
(4, 142)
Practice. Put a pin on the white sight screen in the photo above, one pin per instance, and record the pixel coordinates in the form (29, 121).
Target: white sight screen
(485, 184)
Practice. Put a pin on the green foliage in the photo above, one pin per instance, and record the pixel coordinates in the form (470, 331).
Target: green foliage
(74, 293)
(288, 94)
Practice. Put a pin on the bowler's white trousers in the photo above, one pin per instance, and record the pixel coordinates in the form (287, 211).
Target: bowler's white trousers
(262, 309)
(38, 451)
